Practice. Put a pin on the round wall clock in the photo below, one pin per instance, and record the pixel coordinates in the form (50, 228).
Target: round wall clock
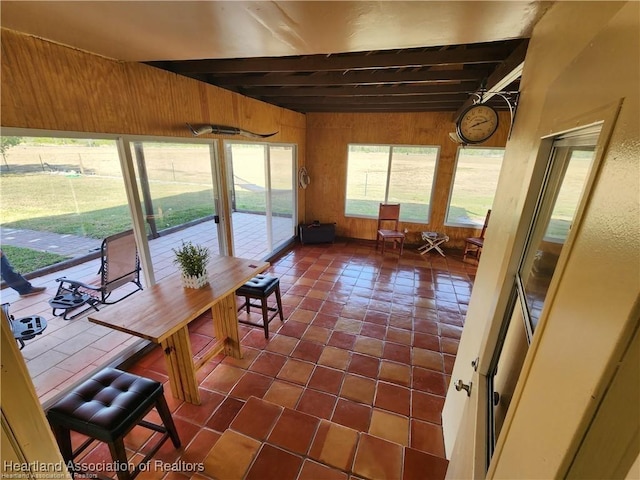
(477, 123)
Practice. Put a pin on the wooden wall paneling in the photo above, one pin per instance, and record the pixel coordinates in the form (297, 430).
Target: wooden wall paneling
(107, 106)
(43, 89)
(203, 104)
(327, 167)
(19, 94)
(261, 117)
(442, 186)
(222, 106)
(293, 128)
(9, 104)
(157, 101)
(328, 136)
(53, 87)
(289, 118)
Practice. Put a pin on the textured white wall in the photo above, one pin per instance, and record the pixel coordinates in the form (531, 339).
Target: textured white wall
(583, 60)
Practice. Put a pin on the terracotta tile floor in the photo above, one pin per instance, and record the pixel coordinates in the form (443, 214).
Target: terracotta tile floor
(350, 386)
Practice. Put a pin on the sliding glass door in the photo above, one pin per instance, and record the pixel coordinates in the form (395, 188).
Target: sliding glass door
(60, 197)
(177, 190)
(281, 194)
(262, 197)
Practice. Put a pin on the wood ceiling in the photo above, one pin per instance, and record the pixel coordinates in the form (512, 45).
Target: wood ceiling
(401, 80)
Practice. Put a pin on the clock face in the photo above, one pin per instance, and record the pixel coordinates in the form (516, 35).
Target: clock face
(477, 123)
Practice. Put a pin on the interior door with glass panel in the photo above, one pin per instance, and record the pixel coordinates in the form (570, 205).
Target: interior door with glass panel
(561, 196)
(179, 197)
(262, 197)
(557, 197)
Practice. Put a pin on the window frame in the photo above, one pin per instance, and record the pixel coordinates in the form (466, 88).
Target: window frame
(559, 157)
(453, 182)
(391, 147)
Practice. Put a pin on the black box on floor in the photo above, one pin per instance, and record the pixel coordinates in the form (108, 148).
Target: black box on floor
(318, 233)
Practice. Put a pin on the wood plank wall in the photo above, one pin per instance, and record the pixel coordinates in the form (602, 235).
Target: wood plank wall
(328, 136)
(51, 87)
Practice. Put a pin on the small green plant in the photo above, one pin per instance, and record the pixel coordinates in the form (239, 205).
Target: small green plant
(192, 259)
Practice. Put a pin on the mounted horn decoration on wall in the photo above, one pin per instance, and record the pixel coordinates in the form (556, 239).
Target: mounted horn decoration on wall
(226, 130)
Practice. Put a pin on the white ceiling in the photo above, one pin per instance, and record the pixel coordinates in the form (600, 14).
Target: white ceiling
(182, 30)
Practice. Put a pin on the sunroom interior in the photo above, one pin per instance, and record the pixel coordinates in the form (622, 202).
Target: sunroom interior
(123, 118)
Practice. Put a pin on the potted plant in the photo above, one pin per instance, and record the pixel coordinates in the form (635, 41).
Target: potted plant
(192, 260)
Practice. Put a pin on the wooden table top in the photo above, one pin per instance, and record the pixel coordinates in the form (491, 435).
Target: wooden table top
(159, 311)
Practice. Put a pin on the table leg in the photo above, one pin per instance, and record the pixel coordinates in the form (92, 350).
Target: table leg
(179, 359)
(437, 247)
(225, 321)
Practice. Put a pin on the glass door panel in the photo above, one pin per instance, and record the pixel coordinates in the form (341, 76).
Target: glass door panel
(249, 199)
(69, 188)
(507, 371)
(281, 169)
(569, 173)
(262, 197)
(178, 198)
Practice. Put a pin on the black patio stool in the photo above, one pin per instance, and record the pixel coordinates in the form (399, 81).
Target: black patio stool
(105, 408)
(259, 288)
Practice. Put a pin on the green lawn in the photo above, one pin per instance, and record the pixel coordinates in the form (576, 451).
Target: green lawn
(25, 260)
(75, 186)
(92, 206)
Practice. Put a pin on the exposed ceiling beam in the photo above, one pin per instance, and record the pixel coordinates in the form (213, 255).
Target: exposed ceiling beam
(415, 79)
(355, 91)
(351, 78)
(307, 104)
(348, 108)
(397, 100)
(341, 62)
(510, 69)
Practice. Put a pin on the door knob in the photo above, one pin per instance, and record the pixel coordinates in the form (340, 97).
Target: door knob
(461, 386)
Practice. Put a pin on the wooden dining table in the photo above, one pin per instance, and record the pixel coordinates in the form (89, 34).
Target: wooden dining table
(162, 313)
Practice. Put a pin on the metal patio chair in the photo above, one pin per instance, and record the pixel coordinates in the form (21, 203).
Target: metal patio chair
(120, 266)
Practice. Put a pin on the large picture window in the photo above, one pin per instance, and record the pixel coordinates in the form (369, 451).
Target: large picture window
(474, 185)
(393, 174)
